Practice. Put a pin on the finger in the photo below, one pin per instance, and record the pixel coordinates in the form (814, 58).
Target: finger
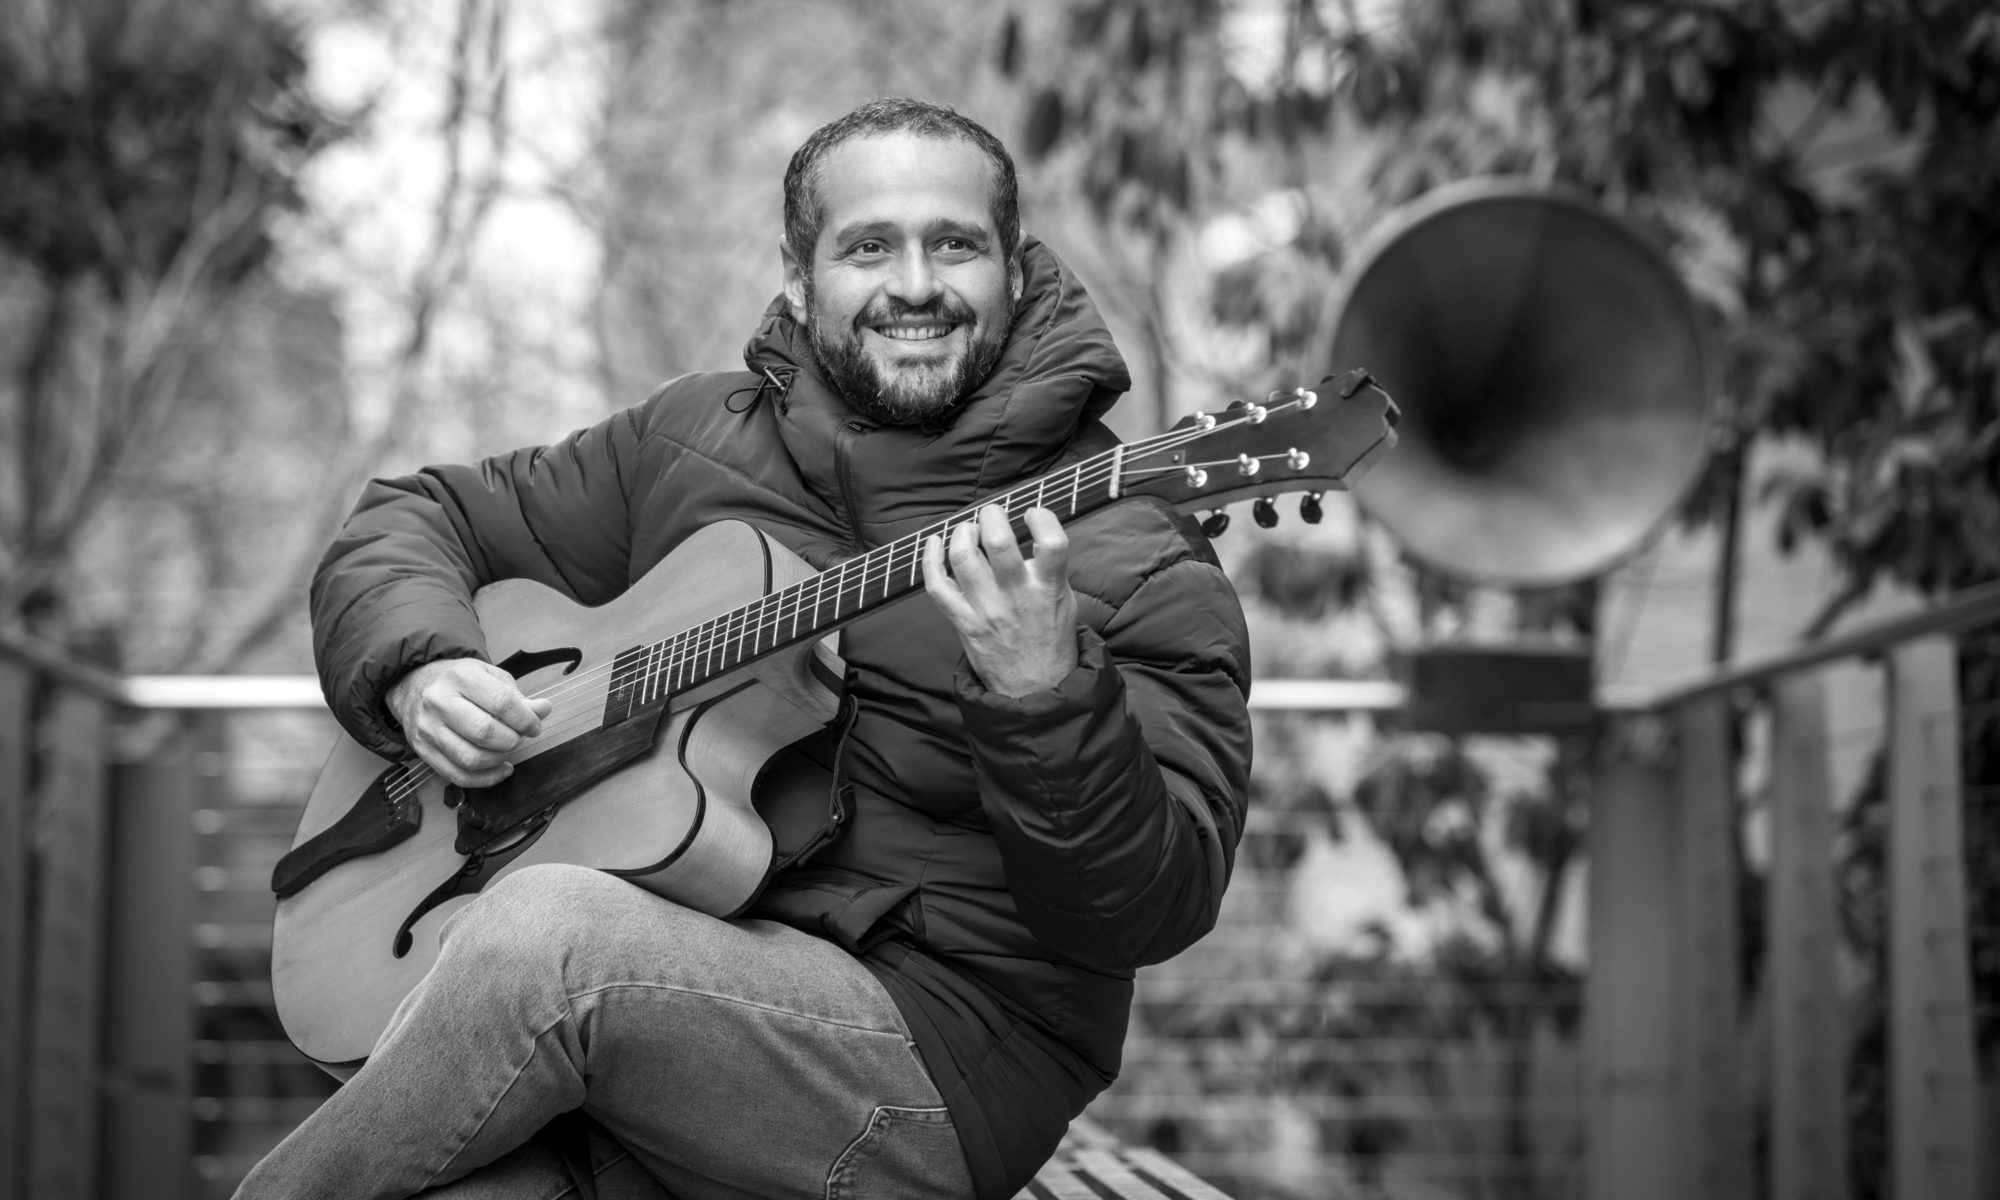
(495, 691)
(461, 762)
(472, 723)
(937, 579)
(1051, 544)
(996, 537)
(969, 569)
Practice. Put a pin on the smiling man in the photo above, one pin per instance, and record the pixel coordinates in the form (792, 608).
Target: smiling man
(1035, 786)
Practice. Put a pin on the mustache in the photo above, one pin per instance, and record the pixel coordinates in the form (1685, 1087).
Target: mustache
(943, 308)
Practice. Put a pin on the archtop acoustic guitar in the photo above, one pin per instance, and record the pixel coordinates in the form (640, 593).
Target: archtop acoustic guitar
(669, 701)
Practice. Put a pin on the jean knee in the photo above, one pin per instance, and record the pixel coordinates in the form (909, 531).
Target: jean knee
(528, 917)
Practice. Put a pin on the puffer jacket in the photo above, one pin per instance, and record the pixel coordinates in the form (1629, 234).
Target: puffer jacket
(1003, 865)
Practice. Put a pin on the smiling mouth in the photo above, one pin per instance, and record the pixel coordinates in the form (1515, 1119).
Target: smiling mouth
(914, 333)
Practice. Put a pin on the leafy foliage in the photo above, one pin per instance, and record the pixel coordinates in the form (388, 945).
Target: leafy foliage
(113, 156)
(1825, 170)
(147, 155)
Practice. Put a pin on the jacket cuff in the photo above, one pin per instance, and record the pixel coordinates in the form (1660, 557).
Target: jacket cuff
(1074, 693)
(375, 727)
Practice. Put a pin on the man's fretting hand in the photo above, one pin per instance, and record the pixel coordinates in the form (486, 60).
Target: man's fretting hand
(463, 717)
(1016, 615)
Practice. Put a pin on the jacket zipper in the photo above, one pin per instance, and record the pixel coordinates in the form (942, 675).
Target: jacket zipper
(843, 463)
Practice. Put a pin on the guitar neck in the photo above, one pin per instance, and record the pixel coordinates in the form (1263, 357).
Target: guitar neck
(1244, 441)
(807, 611)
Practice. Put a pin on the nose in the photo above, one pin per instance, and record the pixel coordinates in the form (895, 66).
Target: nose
(913, 281)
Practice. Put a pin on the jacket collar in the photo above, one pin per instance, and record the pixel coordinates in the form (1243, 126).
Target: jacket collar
(1058, 373)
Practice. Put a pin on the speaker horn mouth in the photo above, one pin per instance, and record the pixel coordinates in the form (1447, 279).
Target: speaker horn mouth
(1553, 372)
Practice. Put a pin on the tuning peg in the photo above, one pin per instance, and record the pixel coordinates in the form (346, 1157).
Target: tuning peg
(1214, 523)
(1309, 508)
(1264, 512)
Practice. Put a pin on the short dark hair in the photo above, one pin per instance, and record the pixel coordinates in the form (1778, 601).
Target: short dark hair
(804, 210)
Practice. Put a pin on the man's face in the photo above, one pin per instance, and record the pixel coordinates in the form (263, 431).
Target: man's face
(909, 295)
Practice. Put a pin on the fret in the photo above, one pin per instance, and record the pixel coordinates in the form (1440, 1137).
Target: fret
(756, 623)
(627, 668)
(652, 690)
(1075, 479)
(874, 560)
(840, 589)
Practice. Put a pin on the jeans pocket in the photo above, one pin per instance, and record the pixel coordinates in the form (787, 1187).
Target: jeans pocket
(904, 1153)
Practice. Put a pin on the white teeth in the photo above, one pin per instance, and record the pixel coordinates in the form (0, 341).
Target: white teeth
(913, 333)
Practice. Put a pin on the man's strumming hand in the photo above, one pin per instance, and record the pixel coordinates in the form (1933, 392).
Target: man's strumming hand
(463, 717)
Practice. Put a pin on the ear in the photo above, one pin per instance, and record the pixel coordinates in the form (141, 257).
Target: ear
(795, 280)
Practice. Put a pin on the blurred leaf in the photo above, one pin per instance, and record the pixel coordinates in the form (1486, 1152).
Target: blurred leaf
(1044, 124)
(1008, 56)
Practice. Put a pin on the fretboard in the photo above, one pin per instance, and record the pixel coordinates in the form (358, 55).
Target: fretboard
(647, 675)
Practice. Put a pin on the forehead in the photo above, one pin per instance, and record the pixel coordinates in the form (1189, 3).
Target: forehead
(907, 181)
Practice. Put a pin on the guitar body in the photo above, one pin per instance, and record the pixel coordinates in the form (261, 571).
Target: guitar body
(676, 820)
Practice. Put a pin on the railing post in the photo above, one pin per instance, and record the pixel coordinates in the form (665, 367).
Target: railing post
(1808, 1063)
(1714, 1136)
(1933, 1074)
(1631, 1055)
(16, 750)
(68, 974)
(149, 1021)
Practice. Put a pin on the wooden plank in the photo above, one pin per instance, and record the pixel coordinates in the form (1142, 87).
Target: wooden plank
(1933, 1080)
(69, 945)
(1109, 1169)
(1808, 1069)
(1058, 1180)
(148, 1146)
(1632, 1057)
(1158, 1166)
(1715, 1136)
(16, 749)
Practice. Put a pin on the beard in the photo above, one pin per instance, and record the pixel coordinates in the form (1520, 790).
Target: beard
(920, 394)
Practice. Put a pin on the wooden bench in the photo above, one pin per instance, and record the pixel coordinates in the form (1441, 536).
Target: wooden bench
(1091, 1164)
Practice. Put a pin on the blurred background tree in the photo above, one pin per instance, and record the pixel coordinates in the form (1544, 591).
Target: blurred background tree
(1824, 171)
(146, 154)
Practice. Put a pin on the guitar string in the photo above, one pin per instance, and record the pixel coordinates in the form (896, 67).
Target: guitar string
(1101, 469)
(811, 595)
(718, 635)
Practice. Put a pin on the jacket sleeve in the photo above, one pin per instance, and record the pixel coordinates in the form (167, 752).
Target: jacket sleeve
(1118, 796)
(394, 590)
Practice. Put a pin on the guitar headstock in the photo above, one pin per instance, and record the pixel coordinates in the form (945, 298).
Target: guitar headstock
(1306, 440)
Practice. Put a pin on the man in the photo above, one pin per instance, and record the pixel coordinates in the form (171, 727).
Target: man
(1038, 786)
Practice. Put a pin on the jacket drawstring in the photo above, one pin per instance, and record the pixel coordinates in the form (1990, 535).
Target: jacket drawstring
(780, 383)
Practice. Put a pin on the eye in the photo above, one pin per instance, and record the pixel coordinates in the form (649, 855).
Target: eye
(867, 248)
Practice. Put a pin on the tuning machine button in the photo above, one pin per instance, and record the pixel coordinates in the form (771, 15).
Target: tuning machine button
(1214, 523)
(1309, 508)
(1264, 512)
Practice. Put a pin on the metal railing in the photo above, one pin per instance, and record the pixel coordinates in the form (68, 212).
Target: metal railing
(1731, 1035)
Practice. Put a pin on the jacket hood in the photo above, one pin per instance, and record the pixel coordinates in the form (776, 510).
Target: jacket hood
(1058, 373)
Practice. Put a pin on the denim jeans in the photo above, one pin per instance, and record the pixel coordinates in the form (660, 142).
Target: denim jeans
(720, 1059)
